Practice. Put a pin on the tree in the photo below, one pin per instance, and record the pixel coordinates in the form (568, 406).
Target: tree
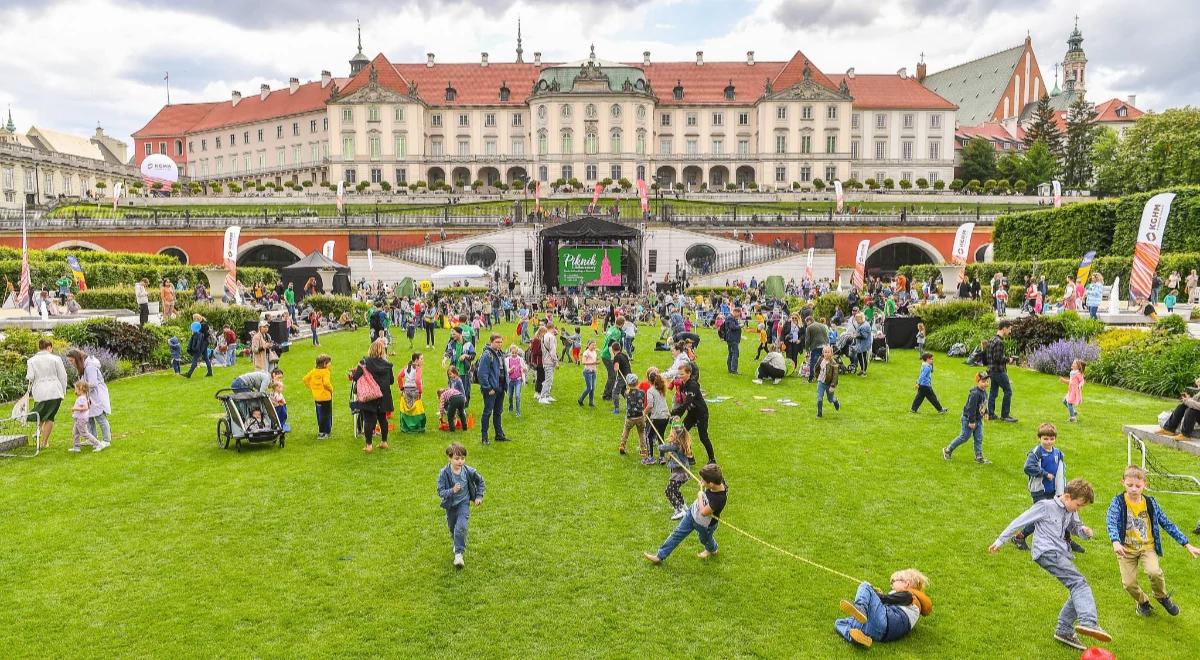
(989, 186)
(939, 185)
(871, 184)
(956, 185)
(234, 188)
(1077, 152)
(216, 187)
(922, 183)
(625, 184)
(1040, 164)
(852, 184)
(1009, 165)
(1045, 128)
(1161, 150)
(819, 184)
(905, 184)
(973, 186)
(978, 160)
(795, 185)
(385, 186)
(1020, 186)
(1105, 162)
(889, 183)
(606, 182)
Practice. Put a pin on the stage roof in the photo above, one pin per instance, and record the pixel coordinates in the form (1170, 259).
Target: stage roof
(590, 228)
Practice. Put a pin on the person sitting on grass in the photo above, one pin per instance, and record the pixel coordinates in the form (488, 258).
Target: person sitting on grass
(703, 517)
(878, 617)
(773, 366)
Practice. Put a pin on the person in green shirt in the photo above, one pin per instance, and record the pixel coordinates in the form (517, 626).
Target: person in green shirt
(612, 334)
(64, 287)
(289, 297)
(889, 306)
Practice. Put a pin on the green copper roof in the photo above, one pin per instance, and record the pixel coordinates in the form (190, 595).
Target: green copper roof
(616, 73)
(976, 87)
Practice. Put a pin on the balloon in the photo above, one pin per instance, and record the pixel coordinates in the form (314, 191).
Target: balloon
(195, 326)
(1097, 653)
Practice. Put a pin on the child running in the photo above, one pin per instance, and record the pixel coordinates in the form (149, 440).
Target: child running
(702, 518)
(589, 361)
(79, 415)
(827, 381)
(925, 386)
(1134, 521)
(1074, 389)
(635, 417)
(677, 450)
(972, 419)
(459, 486)
(319, 381)
(878, 617)
(1053, 519)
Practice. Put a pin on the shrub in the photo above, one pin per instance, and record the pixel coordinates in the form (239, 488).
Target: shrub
(1196, 313)
(12, 375)
(707, 291)
(333, 304)
(1080, 327)
(1056, 358)
(968, 332)
(1111, 340)
(940, 315)
(218, 315)
(20, 341)
(110, 363)
(459, 291)
(1157, 364)
(125, 340)
(828, 304)
(121, 297)
(1030, 332)
(1171, 324)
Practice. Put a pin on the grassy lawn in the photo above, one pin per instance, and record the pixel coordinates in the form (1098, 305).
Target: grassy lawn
(165, 545)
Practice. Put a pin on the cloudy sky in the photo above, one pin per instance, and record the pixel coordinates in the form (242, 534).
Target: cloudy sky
(68, 64)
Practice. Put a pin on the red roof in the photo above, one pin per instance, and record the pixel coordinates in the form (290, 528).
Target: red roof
(308, 97)
(385, 72)
(993, 132)
(884, 92)
(174, 120)
(793, 72)
(705, 84)
(473, 83)
(1107, 111)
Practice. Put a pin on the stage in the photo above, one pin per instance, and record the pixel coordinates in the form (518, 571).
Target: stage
(591, 254)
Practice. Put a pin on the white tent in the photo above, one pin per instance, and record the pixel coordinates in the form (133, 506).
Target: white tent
(462, 272)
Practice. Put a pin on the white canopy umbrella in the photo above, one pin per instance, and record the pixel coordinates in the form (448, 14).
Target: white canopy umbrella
(460, 272)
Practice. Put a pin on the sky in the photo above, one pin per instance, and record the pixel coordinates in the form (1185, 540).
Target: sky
(70, 65)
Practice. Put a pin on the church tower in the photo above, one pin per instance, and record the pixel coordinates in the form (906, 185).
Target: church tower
(1075, 63)
(359, 61)
(520, 51)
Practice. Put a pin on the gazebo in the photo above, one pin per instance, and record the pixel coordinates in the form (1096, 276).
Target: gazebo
(312, 266)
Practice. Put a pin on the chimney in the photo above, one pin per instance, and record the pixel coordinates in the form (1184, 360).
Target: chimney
(1131, 100)
(850, 73)
(699, 58)
(429, 59)
(750, 58)
(537, 58)
(237, 97)
(264, 91)
(483, 59)
(293, 85)
(903, 73)
(921, 71)
(645, 58)
(326, 78)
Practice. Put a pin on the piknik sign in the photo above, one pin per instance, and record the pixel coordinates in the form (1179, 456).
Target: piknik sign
(589, 267)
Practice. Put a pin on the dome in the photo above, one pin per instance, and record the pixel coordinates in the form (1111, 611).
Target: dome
(588, 76)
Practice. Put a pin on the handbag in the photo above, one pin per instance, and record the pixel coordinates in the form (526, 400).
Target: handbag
(366, 389)
(20, 410)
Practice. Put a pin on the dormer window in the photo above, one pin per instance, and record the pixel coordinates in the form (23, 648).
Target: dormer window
(677, 92)
(729, 91)
(451, 93)
(1122, 111)
(504, 92)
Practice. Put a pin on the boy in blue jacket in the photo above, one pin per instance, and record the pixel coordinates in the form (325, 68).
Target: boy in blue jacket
(972, 419)
(459, 486)
(1046, 469)
(1134, 521)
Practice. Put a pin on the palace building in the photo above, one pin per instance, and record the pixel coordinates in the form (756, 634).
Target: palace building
(702, 124)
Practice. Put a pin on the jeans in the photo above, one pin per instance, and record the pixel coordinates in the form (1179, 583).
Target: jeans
(1070, 409)
(731, 362)
(926, 392)
(1080, 605)
(618, 390)
(493, 409)
(456, 411)
(608, 378)
(814, 358)
(316, 342)
(429, 334)
(589, 387)
(196, 360)
(98, 425)
(968, 432)
(1092, 310)
(867, 602)
(1000, 382)
(324, 417)
(686, 525)
(823, 391)
(457, 518)
(514, 394)
(548, 380)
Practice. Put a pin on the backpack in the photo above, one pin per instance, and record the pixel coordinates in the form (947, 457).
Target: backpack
(721, 331)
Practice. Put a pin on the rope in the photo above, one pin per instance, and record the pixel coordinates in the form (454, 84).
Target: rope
(755, 538)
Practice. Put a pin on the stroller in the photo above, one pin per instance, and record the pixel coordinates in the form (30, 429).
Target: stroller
(843, 353)
(354, 411)
(879, 346)
(240, 409)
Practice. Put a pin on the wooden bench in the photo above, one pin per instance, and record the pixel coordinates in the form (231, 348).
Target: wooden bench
(1147, 433)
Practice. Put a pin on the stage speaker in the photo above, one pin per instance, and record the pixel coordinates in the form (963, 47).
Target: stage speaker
(652, 261)
(528, 261)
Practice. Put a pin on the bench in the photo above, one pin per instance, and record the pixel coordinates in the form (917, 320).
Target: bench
(1147, 433)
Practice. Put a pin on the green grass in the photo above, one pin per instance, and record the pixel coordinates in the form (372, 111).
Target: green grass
(167, 546)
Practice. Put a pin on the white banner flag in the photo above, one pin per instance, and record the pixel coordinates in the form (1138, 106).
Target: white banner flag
(1057, 193)
(370, 260)
(860, 264)
(1149, 244)
(229, 254)
(962, 243)
(837, 193)
(118, 188)
(341, 191)
(327, 250)
(808, 271)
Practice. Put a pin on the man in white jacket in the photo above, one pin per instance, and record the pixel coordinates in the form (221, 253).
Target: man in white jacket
(549, 363)
(47, 383)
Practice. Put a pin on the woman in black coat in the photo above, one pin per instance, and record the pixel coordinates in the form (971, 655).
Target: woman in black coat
(375, 411)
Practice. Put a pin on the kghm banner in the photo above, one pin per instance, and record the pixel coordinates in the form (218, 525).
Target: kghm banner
(1149, 244)
(589, 266)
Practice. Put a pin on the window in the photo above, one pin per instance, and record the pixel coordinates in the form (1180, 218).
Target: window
(641, 143)
(314, 153)
(505, 93)
(162, 147)
(489, 120)
(565, 111)
(854, 149)
(780, 174)
(830, 174)
(718, 119)
(743, 119)
(831, 112)
(908, 120)
(693, 146)
(348, 147)
(373, 115)
(279, 132)
(435, 147)
(880, 176)
(296, 154)
(347, 116)
(350, 176)
(906, 176)
(831, 144)
(805, 174)
(729, 92)
(590, 111)
(217, 142)
(66, 184)
(178, 147)
(400, 146)
(262, 160)
(543, 143)
(781, 112)
(565, 172)
(664, 146)
(568, 146)
(376, 175)
(665, 120)
(543, 173)
(935, 150)
(312, 126)
(935, 120)
(48, 184)
(30, 180)
(591, 143)
(590, 173)
(677, 93)
(906, 150)
(880, 150)
(324, 124)
(781, 144)
(451, 93)
(806, 144)
(401, 176)
(436, 119)
(246, 137)
(692, 119)
(614, 143)
(219, 162)
(517, 120)
(614, 172)
(149, 148)
(615, 111)
(398, 116)
(373, 142)
(743, 147)
(718, 147)
(260, 135)
(464, 147)
(881, 120)
(280, 157)
(806, 112)
(9, 183)
(233, 139)
(934, 176)
(203, 145)
(295, 129)
(246, 162)
(490, 148)
(464, 119)
(517, 146)
(855, 120)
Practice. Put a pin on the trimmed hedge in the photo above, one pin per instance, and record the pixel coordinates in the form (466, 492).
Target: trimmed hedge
(708, 291)
(121, 297)
(333, 304)
(459, 291)
(1109, 227)
(968, 332)
(112, 274)
(936, 316)
(826, 305)
(218, 315)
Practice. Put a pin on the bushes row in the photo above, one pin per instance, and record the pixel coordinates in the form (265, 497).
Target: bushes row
(88, 257)
(709, 291)
(106, 274)
(1155, 363)
(336, 305)
(939, 315)
(1057, 271)
(459, 291)
(218, 315)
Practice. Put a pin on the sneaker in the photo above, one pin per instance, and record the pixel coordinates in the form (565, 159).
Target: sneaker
(652, 558)
(678, 514)
(1169, 605)
(1144, 609)
(705, 554)
(1095, 632)
(775, 381)
(1197, 530)
(648, 461)
(861, 638)
(99, 447)
(943, 411)
(486, 441)
(912, 411)
(621, 450)
(369, 448)
(544, 402)
(1010, 420)
(837, 405)
(757, 381)
(852, 610)
(1070, 640)
(946, 453)
(504, 439)
(982, 460)
(1075, 547)
(383, 445)
(1020, 544)
(458, 560)
(616, 412)
(74, 450)
(581, 403)
(551, 399)
(1072, 419)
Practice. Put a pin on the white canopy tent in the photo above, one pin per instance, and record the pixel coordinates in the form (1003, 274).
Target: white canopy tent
(460, 272)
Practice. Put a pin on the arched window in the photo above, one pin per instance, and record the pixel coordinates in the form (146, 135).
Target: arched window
(481, 255)
(591, 143)
(451, 93)
(701, 256)
(677, 92)
(614, 141)
(590, 111)
(641, 142)
(568, 144)
(616, 111)
(543, 142)
(178, 147)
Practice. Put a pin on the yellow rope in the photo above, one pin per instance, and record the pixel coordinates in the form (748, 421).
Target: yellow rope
(755, 538)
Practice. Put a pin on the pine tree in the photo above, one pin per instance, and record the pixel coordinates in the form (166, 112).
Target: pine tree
(1077, 153)
(978, 160)
(1044, 128)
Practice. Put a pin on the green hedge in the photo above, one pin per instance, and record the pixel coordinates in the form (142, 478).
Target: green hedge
(708, 291)
(88, 256)
(968, 332)
(111, 274)
(936, 316)
(826, 305)
(333, 304)
(121, 297)
(218, 315)
(1156, 363)
(459, 291)
(1109, 227)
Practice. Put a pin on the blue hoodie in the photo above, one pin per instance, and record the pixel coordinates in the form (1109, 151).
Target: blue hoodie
(1118, 514)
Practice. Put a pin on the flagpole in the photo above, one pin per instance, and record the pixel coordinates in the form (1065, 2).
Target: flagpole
(167, 78)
